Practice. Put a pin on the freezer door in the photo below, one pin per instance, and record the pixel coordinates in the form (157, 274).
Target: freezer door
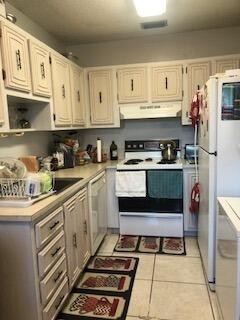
(207, 212)
(228, 137)
(208, 116)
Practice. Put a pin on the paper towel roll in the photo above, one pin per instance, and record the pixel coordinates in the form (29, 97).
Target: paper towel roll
(99, 150)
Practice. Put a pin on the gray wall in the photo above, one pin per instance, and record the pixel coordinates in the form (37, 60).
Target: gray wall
(34, 29)
(34, 143)
(138, 129)
(186, 45)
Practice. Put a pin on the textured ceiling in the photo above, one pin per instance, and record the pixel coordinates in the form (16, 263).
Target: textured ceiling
(85, 21)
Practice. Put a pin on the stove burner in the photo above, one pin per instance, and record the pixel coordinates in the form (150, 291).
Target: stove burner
(133, 161)
(163, 161)
(149, 159)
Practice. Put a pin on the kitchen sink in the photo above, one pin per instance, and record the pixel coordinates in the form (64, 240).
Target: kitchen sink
(63, 183)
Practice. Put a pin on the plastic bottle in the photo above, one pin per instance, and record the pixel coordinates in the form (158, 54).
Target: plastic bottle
(113, 151)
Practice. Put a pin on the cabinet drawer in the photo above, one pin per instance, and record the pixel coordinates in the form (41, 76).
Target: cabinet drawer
(49, 255)
(48, 226)
(55, 276)
(56, 302)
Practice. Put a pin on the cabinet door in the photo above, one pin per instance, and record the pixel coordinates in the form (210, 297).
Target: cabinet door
(61, 91)
(73, 248)
(40, 67)
(101, 97)
(198, 74)
(226, 64)
(190, 219)
(77, 93)
(15, 59)
(132, 85)
(167, 83)
(84, 227)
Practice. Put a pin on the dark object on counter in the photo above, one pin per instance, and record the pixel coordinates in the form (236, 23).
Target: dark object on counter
(89, 148)
(169, 151)
(113, 151)
(190, 152)
(54, 164)
(69, 159)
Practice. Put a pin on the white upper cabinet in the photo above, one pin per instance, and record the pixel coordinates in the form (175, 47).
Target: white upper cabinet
(15, 59)
(226, 64)
(61, 90)
(77, 95)
(132, 85)
(101, 97)
(40, 67)
(167, 83)
(198, 74)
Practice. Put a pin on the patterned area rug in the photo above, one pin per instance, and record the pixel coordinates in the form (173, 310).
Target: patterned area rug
(160, 245)
(103, 290)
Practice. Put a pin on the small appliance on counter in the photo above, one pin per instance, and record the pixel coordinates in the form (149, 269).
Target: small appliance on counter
(190, 151)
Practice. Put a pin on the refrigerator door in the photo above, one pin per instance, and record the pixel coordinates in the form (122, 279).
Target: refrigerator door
(228, 137)
(207, 212)
(208, 116)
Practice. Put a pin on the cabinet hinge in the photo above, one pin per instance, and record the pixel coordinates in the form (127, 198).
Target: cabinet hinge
(186, 70)
(54, 117)
(50, 60)
(3, 74)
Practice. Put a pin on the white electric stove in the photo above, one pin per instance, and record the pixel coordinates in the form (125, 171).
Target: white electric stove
(146, 215)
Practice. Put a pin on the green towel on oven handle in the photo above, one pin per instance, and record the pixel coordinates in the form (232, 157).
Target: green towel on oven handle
(165, 184)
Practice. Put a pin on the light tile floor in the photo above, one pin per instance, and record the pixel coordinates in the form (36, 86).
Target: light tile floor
(168, 287)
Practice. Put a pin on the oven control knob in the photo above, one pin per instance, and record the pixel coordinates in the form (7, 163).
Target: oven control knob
(134, 146)
(141, 146)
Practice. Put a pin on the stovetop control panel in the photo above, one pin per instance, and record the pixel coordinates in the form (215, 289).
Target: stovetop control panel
(148, 145)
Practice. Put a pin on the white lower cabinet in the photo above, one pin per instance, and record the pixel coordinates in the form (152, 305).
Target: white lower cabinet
(112, 200)
(77, 243)
(190, 219)
(42, 260)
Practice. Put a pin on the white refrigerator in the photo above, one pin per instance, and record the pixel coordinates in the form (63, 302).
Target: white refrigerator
(219, 158)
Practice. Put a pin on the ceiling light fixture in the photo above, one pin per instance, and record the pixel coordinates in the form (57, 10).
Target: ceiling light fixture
(150, 8)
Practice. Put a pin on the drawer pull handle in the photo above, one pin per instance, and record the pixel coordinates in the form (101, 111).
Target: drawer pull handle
(132, 86)
(100, 97)
(166, 83)
(42, 70)
(75, 240)
(54, 225)
(18, 58)
(56, 251)
(60, 301)
(63, 91)
(78, 95)
(58, 276)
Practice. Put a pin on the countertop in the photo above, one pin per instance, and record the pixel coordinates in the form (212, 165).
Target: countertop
(231, 206)
(35, 211)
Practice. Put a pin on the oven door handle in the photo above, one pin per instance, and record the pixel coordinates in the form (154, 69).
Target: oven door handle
(152, 215)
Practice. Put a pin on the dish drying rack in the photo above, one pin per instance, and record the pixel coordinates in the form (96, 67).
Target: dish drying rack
(15, 192)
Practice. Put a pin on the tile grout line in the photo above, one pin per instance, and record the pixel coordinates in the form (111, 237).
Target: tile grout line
(150, 296)
(170, 281)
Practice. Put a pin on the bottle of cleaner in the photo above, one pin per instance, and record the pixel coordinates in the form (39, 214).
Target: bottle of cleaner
(113, 151)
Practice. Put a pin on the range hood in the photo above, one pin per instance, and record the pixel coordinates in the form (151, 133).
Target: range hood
(150, 111)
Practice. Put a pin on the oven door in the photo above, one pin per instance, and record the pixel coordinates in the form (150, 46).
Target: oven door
(154, 216)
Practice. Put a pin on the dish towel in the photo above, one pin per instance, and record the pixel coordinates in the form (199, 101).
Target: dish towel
(165, 184)
(131, 184)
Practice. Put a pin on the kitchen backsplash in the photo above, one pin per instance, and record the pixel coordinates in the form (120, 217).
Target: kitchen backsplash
(41, 143)
(34, 143)
(138, 129)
